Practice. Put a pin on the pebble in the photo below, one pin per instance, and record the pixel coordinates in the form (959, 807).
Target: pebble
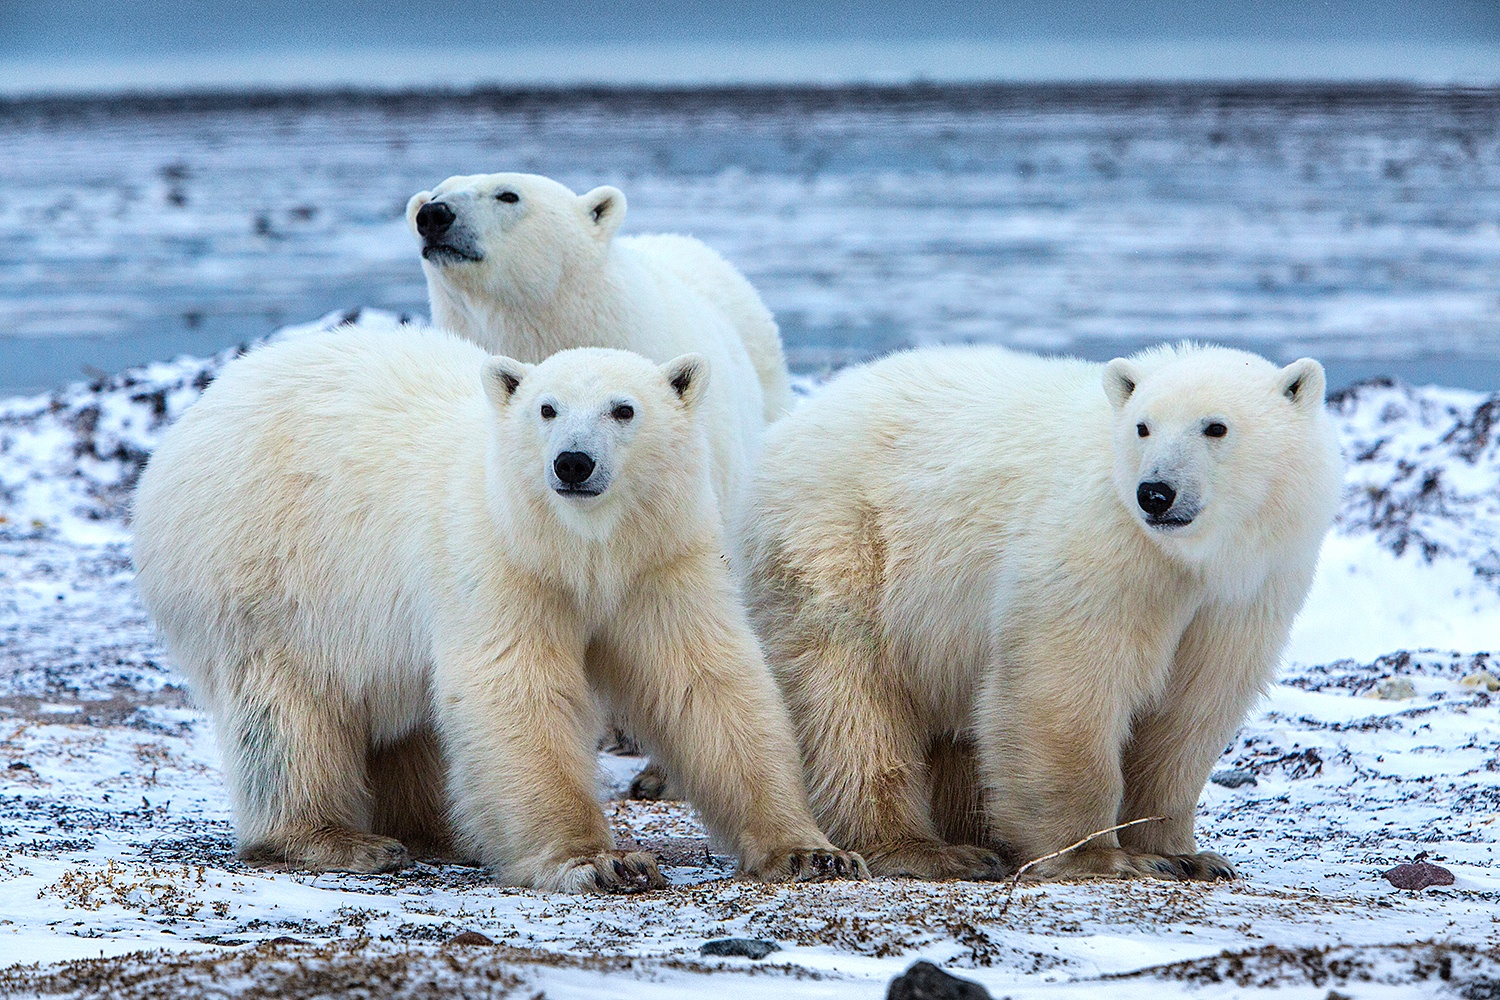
(739, 947)
(1393, 689)
(925, 981)
(1418, 875)
(469, 937)
(1233, 779)
(1482, 679)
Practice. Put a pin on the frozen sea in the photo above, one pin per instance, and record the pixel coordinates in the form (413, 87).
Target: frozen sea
(1356, 223)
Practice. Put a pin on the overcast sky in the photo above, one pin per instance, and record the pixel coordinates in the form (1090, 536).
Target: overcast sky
(73, 27)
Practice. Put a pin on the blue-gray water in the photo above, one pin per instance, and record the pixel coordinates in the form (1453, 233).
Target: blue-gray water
(1360, 225)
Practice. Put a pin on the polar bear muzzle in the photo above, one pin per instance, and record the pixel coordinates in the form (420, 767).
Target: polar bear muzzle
(573, 470)
(442, 242)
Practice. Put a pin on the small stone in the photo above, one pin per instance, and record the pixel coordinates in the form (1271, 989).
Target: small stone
(925, 981)
(1482, 679)
(1336, 995)
(284, 940)
(1233, 778)
(739, 948)
(469, 937)
(1418, 875)
(1393, 689)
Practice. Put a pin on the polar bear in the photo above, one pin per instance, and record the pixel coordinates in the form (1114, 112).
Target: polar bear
(402, 575)
(1012, 601)
(522, 266)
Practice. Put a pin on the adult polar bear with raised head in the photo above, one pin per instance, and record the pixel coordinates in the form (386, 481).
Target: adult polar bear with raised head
(399, 573)
(1012, 601)
(524, 267)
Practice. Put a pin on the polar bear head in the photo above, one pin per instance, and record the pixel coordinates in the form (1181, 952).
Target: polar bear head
(593, 434)
(1219, 452)
(511, 237)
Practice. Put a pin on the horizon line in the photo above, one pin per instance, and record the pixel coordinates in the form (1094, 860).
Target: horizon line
(728, 64)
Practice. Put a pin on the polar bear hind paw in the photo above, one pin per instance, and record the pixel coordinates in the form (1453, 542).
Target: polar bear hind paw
(1116, 862)
(608, 871)
(330, 849)
(937, 861)
(815, 864)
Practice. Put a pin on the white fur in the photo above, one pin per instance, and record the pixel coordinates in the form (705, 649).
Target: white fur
(550, 274)
(946, 546)
(355, 547)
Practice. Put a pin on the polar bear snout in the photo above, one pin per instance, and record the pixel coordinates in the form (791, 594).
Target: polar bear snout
(1155, 498)
(1163, 505)
(443, 242)
(433, 220)
(573, 468)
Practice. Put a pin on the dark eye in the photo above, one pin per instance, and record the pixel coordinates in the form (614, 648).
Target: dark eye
(1141, 430)
(548, 411)
(1216, 430)
(623, 412)
(509, 197)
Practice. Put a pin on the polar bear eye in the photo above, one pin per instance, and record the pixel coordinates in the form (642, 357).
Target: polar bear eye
(1216, 430)
(1141, 430)
(509, 197)
(548, 411)
(623, 412)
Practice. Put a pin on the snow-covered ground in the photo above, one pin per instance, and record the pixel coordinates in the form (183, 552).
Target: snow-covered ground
(1379, 744)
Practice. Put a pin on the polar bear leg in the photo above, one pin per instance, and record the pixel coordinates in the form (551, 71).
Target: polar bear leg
(681, 663)
(520, 727)
(296, 768)
(957, 795)
(409, 787)
(1227, 654)
(1050, 756)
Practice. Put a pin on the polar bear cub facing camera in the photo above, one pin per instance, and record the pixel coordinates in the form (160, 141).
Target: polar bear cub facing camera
(1012, 601)
(522, 266)
(399, 573)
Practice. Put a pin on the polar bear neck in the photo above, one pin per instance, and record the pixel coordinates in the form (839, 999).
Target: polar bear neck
(590, 307)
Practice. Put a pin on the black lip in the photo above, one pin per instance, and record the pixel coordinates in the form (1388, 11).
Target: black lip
(571, 491)
(1169, 522)
(440, 253)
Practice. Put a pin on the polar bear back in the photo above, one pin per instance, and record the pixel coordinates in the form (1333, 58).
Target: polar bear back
(718, 282)
(309, 479)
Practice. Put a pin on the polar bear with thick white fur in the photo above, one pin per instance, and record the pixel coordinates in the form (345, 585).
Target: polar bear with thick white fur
(1013, 601)
(522, 266)
(402, 575)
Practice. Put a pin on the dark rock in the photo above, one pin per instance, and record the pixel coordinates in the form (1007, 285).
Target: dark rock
(284, 939)
(1418, 875)
(925, 981)
(1233, 779)
(469, 937)
(738, 948)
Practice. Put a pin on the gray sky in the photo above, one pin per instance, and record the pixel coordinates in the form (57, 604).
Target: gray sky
(87, 27)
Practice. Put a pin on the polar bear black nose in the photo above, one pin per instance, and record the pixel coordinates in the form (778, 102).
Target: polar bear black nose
(433, 219)
(1155, 498)
(573, 467)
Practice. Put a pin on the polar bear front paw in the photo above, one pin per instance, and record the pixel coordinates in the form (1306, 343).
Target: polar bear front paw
(810, 865)
(608, 871)
(1205, 866)
(938, 861)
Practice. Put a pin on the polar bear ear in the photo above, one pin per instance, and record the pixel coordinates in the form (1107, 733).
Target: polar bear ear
(501, 377)
(604, 209)
(1304, 383)
(413, 205)
(688, 377)
(1120, 379)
